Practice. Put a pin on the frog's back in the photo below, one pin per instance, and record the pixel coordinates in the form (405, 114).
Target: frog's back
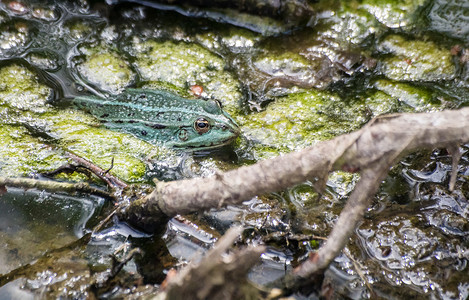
(152, 106)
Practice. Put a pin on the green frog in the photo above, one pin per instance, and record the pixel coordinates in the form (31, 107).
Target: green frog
(161, 117)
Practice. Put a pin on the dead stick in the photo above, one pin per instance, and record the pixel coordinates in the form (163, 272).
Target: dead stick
(104, 175)
(53, 186)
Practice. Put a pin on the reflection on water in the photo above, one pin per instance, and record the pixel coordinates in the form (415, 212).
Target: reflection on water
(13, 290)
(34, 222)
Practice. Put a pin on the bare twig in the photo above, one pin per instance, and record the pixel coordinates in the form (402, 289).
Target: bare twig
(53, 186)
(110, 168)
(358, 268)
(104, 175)
(103, 222)
(456, 155)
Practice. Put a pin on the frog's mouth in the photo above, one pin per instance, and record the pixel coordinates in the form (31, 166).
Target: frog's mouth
(207, 146)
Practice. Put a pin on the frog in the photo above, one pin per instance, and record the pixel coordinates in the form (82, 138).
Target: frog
(163, 118)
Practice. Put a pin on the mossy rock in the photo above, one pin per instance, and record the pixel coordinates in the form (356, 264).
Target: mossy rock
(20, 89)
(23, 155)
(300, 120)
(105, 69)
(393, 14)
(185, 64)
(413, 60)
(415, 98)
(82, 135)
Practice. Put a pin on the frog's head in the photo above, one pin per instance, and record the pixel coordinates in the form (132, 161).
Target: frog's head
(212, 127)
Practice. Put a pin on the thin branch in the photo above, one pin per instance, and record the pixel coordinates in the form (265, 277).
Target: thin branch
(54, 186)
(358, 268)
(105, 221)
(456, 155)
(104, 175)
(118, 265)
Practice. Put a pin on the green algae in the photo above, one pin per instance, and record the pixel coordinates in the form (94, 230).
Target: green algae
(14, 36)
(22, 98)
(45, 60)
(78, 29)
(105, 69)
(72, 131)
(229, 40)
(240, 41)
(23, 155)
(300, 120)
(417, 98)
(352, 27)
(20, 90)
(381, 103)
(393, 14)
(80, 134)
(415, 60)
(353, 22)
(186, 64)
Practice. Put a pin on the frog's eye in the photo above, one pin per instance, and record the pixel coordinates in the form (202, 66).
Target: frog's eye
(201, 125)
(212, 106)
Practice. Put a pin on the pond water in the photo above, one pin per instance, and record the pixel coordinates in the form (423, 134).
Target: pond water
(288, 82)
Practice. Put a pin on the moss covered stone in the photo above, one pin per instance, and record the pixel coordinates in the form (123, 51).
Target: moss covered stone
(20, 90)
(106, 69)
(381, 103)
(414, 60)
(186, 64)
(417, 99)
(23, 155)
(78, 28)
(81, 134)
(288, 66)
(14, 36)
(300, 120)
(393, 14)
(352, 27)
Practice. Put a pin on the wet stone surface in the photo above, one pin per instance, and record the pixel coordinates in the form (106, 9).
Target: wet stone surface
(288, 85)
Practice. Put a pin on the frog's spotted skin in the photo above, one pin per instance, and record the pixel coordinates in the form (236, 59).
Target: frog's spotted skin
(161, 117)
